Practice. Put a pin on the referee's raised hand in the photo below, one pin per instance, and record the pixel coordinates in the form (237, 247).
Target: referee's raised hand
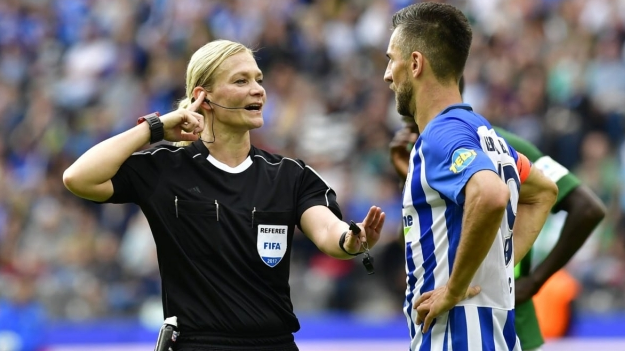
(370, 229)
(184, 124)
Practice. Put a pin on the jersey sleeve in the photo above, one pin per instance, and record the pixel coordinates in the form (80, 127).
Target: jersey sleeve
(451, 154)
(559, 174)
(136, 179)
(314, 191)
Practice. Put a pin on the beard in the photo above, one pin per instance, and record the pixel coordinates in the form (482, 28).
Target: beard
(403, 95)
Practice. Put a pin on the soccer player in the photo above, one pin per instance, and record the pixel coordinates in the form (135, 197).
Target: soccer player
(463, 193)
(584, 212)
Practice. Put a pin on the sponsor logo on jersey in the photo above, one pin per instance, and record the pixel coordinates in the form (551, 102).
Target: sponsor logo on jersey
(461, 158)
(271, 243)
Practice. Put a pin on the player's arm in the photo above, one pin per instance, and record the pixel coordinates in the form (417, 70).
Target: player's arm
(90, 176)
(584, 212)
(486, 199)
(536, 197)
(324, 229)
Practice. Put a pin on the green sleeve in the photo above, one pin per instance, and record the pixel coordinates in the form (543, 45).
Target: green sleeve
(564, 179)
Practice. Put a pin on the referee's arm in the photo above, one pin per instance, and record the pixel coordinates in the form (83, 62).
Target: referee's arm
(325, 229)
(90, 176)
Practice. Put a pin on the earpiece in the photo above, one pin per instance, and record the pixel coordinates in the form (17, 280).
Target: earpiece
(206, 100)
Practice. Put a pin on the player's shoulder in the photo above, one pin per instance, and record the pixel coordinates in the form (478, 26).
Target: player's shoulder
(271, 160)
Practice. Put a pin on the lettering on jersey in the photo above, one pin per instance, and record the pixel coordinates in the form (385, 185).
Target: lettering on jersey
(272, 230)
(271, 246)
(503, 146)
(272, 243)
(492, 146)
(461, 158)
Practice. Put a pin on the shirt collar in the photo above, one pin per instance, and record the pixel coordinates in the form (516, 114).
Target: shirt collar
(198, 146)
(455, 106)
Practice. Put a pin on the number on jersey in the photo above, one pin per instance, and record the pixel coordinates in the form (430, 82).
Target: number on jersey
(509, 175)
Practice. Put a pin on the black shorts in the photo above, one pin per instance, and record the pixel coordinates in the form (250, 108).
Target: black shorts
(199, 342)
(284, 347)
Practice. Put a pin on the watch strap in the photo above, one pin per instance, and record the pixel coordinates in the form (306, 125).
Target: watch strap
(157, 131)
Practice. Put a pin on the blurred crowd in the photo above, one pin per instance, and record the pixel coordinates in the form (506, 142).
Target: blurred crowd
(74, 72)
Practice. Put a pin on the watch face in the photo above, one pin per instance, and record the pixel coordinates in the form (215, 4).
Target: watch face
(152, 119)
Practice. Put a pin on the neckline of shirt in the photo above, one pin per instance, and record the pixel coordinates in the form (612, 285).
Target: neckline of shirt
(247, 163)
(462, 105)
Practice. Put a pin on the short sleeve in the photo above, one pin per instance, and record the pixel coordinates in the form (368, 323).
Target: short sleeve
(560, 175)
(314, 191)
(136, 179)
(451, 154)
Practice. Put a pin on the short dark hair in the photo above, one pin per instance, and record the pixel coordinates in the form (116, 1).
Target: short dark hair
(441, 32)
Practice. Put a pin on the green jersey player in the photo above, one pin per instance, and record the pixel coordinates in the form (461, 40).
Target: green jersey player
(584, 210)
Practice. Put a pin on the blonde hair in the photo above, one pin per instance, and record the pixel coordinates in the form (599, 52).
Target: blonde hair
(202, 66)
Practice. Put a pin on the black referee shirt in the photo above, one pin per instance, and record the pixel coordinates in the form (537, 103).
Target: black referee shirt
(223, 235)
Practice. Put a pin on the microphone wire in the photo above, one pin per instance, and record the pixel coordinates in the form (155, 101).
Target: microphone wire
(212, 125)
(213, 118)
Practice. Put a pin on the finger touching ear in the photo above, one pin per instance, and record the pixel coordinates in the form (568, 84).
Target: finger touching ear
(197, 103)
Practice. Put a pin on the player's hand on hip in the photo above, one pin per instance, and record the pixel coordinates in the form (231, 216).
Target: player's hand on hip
(184, 124)
(433, 303)
(524, 289)
(370, 230)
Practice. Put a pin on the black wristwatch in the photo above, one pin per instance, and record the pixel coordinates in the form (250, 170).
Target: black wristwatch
(156, 126)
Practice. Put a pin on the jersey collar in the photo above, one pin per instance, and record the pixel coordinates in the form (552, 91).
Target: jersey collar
(199, 147)
(247, 163)
(455, 106)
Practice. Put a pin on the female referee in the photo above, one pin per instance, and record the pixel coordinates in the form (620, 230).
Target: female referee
(222, 212)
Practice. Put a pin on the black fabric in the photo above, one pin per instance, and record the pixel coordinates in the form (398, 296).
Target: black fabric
(205, 222)
(198, 342)
(285, 347)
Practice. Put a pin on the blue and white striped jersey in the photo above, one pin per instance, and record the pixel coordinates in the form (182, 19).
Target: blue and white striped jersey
(455, 145)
